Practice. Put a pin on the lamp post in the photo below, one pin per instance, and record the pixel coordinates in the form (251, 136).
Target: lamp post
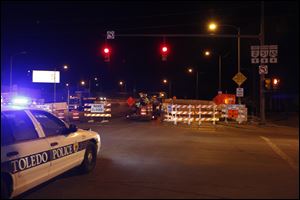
(165, 81)
(123, 83)
(68, 100)
(65, 67)
(207, 53)
(11, 66)
(213, 26)
(190, 70)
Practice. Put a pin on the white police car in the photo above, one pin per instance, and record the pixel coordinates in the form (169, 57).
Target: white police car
(37, 146)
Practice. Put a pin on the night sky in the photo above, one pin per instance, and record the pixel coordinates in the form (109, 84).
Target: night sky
(55, 33)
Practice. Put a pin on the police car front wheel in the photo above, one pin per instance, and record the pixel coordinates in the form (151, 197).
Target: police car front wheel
(90, 157)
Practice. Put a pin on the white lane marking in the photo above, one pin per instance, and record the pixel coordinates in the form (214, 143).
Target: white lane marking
(280, 153)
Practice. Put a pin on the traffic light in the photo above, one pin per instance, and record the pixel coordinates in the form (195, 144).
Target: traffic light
(275, 83)
(106, 52)
(164, 52)
(268, 83)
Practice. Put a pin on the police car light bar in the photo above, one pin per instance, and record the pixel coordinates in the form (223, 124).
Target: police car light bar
(20, 101)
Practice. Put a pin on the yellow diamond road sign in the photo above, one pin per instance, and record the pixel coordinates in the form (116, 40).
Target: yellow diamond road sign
(239, 78)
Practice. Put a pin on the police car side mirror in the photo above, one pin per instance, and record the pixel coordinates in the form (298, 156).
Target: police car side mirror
(72, 128)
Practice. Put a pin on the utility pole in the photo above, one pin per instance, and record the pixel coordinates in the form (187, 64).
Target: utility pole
(239, 56)
(170, 89)
(262, 76)
(54, 90)
(197, 84)
(220, 68)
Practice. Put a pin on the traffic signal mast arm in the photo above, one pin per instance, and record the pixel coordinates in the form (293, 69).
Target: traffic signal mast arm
(188, 35)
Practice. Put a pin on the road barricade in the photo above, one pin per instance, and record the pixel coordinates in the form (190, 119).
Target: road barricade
(75, 115)
(97, 111)
(237, 112)
(191, 113)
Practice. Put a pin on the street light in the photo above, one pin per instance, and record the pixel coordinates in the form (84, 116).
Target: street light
(65, 67)
(123, 85)
(11, 66)
(220, 70)
(165, 81)
(213, 27)
(68, 100)
(190, 70)
(207, 53)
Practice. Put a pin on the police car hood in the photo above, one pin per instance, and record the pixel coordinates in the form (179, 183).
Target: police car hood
(88, 133)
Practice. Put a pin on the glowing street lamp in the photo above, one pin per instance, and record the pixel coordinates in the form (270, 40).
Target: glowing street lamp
(207, 53)
(166, 81)
(212, 26)
(65, 67)
(190, 70)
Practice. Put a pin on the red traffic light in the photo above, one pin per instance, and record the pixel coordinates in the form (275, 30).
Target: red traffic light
(106, 53)
(164, 49)
(106, 50)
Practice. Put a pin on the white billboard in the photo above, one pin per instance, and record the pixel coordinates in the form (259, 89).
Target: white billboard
(40, 76)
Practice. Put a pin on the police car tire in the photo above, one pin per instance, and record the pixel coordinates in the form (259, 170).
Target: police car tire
(89, 163)
(4, 189)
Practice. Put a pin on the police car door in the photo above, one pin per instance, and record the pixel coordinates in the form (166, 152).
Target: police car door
(24, 154)
(64, 147)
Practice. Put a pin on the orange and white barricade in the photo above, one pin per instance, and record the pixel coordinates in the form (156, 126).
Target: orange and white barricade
(191, 113)
(237, 112)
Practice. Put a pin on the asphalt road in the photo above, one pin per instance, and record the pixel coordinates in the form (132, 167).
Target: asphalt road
(154, 160)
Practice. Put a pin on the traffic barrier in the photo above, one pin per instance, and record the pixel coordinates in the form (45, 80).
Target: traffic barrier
(237, 112)
(75, 115)
(191, 113)
(95, 111)
(60, 114)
